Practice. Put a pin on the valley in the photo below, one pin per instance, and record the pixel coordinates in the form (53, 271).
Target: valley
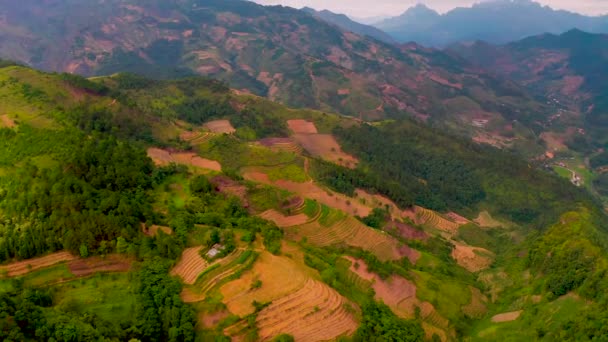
(205, 170)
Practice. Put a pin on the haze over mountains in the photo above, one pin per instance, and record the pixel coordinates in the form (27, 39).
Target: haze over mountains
(497, 21)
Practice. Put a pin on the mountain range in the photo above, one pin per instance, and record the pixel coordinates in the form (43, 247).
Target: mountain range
(284, 54)
(497, 21)
(218, 170)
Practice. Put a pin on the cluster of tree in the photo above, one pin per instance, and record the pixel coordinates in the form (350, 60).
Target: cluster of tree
(377, 218)
(82, 203)
(162, 316)
(441, 171)
(380, 324)
(346, 181)
(435, 178)
(30, 314)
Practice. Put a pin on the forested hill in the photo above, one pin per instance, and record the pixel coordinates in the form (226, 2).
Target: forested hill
(284, 54)
(179, 210)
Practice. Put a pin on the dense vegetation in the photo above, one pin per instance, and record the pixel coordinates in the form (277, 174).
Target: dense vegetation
(441, 172)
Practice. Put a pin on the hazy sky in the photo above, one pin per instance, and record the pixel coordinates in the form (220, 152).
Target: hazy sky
(370, 8)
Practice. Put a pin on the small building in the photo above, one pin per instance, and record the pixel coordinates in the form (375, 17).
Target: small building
(215, 250)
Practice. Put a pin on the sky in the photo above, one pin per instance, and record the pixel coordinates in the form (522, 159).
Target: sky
(373, 8)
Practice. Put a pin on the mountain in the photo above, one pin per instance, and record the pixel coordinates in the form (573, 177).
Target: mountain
(347, 24)
(497, 21)
(181, 209)
(568, 70)
(284, 54)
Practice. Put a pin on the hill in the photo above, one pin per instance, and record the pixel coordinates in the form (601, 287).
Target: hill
(497, 22)
(347, 24)
(206, 212)
(299, 60)
(566, 69)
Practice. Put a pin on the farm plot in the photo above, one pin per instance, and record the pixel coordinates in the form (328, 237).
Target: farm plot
(299, 126)
(326, 147)
(20, 268)
(282, 144)
(507, 316)
(162, 157)
(279, 277)
(400, 295)
(432, 219)
(217, 273)
(351, 232)
(220, 126)
(316, 312)
(473, 259)
(284, 221)
(190, 265)
(312, 191)
(197, 137)
(90, 266)
(477, 307)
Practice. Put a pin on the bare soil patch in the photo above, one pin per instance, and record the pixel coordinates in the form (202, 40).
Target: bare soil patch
(190, 265)
(162, 157)
(406, 231)
(20, 268)
(325, 146)
(231, 187)
(220, 126)
(211, 320)
(90, 266)
(507, 316)
(485, 220)
(473, 259)
(302, 127)
(6, 121)
(396, 292)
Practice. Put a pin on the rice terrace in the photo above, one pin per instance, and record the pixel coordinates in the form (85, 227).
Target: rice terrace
(223, 170)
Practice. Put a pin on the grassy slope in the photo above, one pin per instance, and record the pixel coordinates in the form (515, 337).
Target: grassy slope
(436, 279)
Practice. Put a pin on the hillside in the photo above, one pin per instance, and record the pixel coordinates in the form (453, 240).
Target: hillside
(567, 69)
(299, 60)
(182, 209)
(496, 21)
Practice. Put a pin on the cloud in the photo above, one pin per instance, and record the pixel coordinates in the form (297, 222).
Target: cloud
(369, 8)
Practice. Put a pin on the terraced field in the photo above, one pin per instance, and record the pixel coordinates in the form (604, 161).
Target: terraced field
(284, 221)
(20, 268)
(432, 219)
(400, 295)
(190, 265)
(282, 144)
(314, 313)
(216, 273)
(351, 232)
(279, 276)
(197, 138)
